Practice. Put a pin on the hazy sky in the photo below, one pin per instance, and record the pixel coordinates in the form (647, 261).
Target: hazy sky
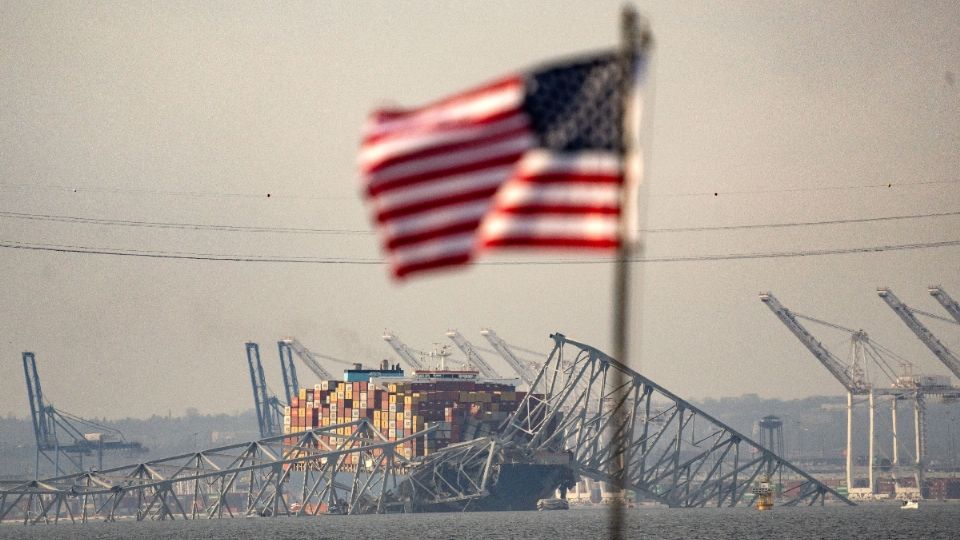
(193, 112)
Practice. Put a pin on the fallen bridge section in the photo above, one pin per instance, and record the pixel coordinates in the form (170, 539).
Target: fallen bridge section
(355, 472)
(672, 451)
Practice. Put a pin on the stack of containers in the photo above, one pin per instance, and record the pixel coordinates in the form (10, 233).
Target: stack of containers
(462, 410)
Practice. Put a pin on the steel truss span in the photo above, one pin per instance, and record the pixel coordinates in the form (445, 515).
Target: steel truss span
(352, 474)
(569, 424)
(674, 452)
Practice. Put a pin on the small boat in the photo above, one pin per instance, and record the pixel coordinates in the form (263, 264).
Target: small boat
(553, 504)
(911, 504)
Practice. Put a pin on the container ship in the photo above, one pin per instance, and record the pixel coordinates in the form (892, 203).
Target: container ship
(462, 405)
(459, 403)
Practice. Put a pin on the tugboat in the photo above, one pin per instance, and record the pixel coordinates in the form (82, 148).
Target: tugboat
(552, 504)
(910, 504)
(763, 493)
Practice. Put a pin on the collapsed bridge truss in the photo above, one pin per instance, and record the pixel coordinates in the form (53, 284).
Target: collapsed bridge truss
(353, 473)
(571, 423)
(673, 451)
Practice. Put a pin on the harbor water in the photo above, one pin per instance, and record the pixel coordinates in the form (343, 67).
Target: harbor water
(934, 520)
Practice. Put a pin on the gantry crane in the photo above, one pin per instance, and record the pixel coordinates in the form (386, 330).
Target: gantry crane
(472, 356)
(403, 351)
(58, 431)
(851, 377)
(854, 380)
(311, 359)
(525, 373)
(268, 407)
(906, 314)
(291, 384)
(948, 303)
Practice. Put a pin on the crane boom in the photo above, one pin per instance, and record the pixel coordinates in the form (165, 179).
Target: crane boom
(269, 412)
(501, 347)
(926, 336)
(948, 303)
(42, 429)
(485, 369)
(829, 361)
(309, 358)
(402, 350)
(291, 384)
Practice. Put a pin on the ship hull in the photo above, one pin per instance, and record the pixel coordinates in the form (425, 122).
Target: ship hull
(518, 487)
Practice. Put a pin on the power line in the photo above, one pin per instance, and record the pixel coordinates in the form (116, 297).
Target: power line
(198, 194)
(266, 195)
(90, 250)
(889, 185)
(184, 226)
(802, 223)
(367, 232)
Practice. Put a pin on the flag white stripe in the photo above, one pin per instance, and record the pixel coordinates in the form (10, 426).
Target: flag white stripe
(568, 194)
(460, 244)
(377, 152)
(443, 187)
(436, 219)
(513, 145)
(591, 227)
(540, 162)
(474, 108)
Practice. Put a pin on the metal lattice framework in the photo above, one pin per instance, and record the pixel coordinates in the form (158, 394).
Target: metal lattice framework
(458, 474)
(674, 452)
(345, 468)
(571, 423)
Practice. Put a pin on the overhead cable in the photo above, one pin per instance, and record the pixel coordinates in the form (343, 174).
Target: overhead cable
(90, 250)
(367, 232)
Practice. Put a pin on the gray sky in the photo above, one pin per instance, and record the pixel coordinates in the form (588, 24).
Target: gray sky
(194, 112)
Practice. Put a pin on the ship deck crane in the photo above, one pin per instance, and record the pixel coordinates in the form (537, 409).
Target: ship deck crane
(472, 356)
(906, 314)
(501, 347)
(403, 351)
(268, 407)
(951, 305)
(51, 426)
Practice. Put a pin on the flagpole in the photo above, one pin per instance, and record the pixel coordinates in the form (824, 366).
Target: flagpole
(633, 43)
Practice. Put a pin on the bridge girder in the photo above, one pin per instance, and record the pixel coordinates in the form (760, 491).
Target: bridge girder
(672, 451)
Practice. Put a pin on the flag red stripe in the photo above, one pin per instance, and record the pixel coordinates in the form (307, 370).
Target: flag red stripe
(375, 189)
(528, 209)
(452, 260)
(425, 128)
(409, 239)
(384, 115)
(554, 242)
(568, 178)
(432, 204)
(443, 149)
(386, 123)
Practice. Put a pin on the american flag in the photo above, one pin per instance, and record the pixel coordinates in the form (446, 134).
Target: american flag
(528, 160)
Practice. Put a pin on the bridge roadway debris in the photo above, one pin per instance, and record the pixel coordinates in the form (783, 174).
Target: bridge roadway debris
(570, 425)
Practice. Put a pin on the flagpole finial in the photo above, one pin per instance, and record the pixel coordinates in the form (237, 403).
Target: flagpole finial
(635, 29)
